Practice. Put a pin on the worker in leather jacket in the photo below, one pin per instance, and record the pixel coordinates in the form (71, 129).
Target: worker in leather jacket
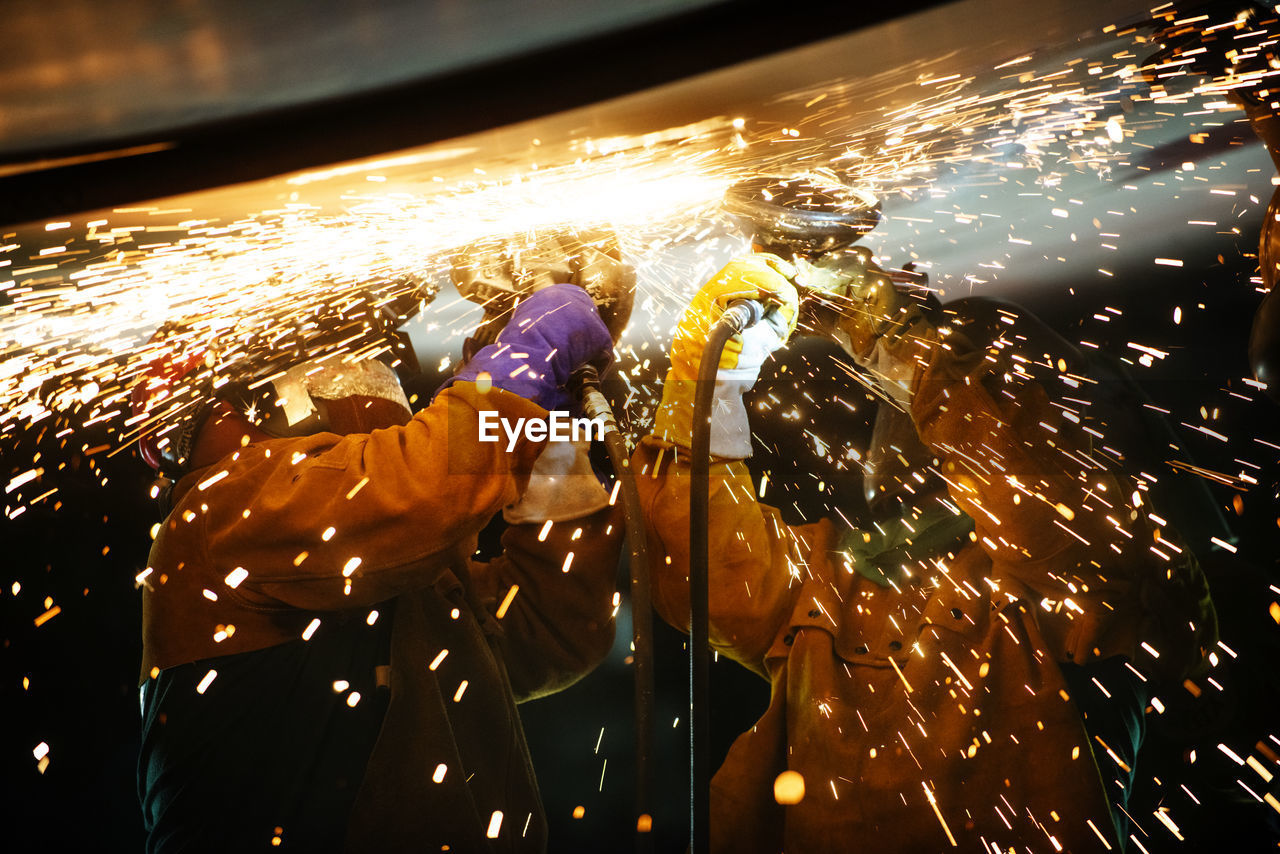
(923, 664)
(327, 665)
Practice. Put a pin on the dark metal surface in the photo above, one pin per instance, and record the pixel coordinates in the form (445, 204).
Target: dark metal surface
(107, 104)
(84, 73)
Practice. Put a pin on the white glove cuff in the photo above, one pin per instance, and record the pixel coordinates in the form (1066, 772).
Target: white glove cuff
(730, 433)
(758, 342)
(562, 486)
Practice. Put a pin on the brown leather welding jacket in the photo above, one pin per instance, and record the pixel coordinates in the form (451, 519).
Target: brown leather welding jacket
(933, 713)
(290, 531)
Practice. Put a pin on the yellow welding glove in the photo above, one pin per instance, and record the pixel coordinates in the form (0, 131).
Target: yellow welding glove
(759, 276)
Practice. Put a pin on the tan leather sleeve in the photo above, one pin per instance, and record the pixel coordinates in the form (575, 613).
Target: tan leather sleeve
(752, 556)
(328, 522)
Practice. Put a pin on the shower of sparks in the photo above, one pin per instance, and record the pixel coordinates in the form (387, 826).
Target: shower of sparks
(1059, 140)
(77, 314)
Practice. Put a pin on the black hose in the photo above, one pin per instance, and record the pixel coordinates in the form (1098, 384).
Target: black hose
(740, 315)
(597, 408)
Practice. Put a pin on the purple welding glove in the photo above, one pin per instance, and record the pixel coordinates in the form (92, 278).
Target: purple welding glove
(551, 334)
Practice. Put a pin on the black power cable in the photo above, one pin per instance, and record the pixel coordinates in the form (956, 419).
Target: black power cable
(740, 315)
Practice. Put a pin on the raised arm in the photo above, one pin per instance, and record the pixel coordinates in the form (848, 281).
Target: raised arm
(327, 522)
(752, 555)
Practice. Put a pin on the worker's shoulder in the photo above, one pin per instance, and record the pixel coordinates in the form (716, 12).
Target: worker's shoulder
(759, 265)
